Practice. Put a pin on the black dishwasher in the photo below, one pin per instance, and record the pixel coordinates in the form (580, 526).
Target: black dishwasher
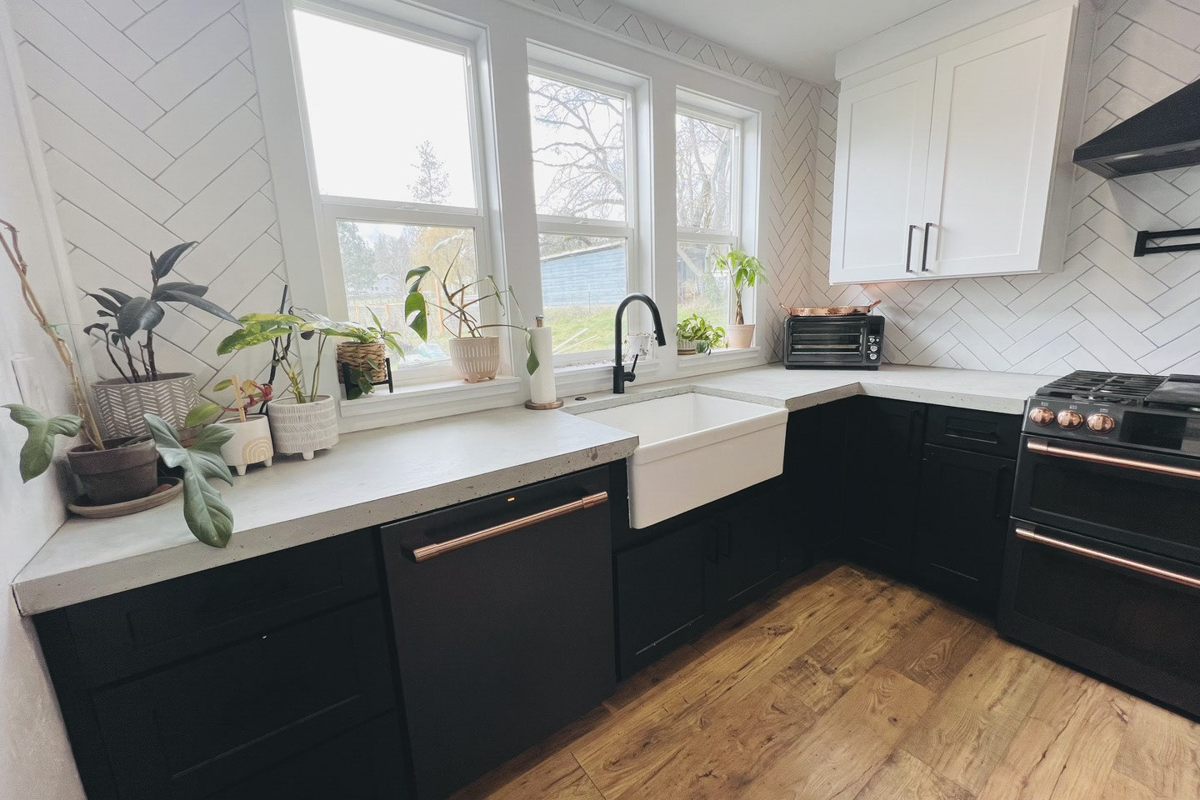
(503, 614)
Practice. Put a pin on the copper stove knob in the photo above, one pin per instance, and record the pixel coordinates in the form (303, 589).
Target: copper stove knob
(1101, 423)
(1041, 416)
(1069, 419)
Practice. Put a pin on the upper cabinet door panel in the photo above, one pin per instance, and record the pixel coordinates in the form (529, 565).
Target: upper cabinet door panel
(880, 168)
(992, 149)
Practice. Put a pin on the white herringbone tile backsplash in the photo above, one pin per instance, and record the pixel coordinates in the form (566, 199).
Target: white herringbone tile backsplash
(1105, 309)
(148, 114)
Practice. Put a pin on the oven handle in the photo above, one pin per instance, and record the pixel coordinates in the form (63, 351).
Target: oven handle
(427, 552)
(1048, 449)
(1108, 558)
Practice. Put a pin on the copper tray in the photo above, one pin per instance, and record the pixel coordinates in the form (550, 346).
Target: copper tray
(828, 311)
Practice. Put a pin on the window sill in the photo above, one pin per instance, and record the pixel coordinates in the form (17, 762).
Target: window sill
(572, 380)
(427, 394)
(719, 357)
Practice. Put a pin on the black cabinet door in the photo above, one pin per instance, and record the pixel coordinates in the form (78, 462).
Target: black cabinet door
(814, 476)
(886, 438)
(747, 544)
(959, 541)
(661, 593)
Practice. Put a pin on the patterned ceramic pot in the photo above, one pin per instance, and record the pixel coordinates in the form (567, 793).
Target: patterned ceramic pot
(251, 443)
(303, 428)
(475, 358)
(740, 336)
(121, 405)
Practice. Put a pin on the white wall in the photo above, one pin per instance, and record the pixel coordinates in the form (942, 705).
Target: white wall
(35, 761)
(1105, 309)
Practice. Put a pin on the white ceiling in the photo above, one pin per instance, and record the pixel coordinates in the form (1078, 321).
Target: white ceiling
(798, 36)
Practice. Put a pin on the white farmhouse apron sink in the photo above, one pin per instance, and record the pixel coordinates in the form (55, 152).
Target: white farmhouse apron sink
(693, 449)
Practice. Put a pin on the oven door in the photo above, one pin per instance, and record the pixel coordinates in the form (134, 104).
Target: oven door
(1127, 616)
(824, 341)
(1139, 499)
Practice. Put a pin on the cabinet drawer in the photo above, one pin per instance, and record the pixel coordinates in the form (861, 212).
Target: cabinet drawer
(978, 431)
(203, 724)
(134, 631)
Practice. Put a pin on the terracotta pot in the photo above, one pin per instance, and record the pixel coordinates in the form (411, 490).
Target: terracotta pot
(303, 428)
(251, 442)
(475, 358)
(117, 473)
(357, 354)
(120, 405)
(740, 336)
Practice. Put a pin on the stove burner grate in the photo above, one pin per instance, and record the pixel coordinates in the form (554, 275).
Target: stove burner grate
(1106, 387)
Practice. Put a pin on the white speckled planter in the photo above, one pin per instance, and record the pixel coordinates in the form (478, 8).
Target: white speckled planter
(475, 358)
(740, 336)
(303, 428)
(251, 443)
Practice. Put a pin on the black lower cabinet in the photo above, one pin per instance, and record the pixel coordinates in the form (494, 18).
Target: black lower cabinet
(961, 525)
(503, 615)
(811, 497)
(747, 539)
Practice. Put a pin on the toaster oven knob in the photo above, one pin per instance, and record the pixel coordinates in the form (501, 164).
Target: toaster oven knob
(1101, 423)
(1069, 419)
(1041, 416)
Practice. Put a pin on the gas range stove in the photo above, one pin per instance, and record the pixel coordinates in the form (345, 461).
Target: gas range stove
(1144, 411)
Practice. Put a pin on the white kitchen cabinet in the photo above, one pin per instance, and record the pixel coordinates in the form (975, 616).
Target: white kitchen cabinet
(946, 167)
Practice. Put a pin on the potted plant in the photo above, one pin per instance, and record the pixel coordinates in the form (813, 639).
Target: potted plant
(364, 353)
(141, 389)
(251, 440)
(694, 335)
(117, 471)
(745, 271)
(474, 354)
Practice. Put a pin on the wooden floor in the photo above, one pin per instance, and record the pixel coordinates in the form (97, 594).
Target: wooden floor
(847, 685)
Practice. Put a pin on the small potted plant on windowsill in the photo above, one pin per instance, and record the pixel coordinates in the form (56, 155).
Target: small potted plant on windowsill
(365, 354)
(474, 354)
(141, 388)
(745, 271)
(251, 441)
(695, 335)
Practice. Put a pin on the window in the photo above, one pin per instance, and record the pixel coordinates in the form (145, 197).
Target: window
(397, 189)
(707, 156)
(582, 160)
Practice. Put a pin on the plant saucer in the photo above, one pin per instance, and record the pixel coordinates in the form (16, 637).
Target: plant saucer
(168, 489)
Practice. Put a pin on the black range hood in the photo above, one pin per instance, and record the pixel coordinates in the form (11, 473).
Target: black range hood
(1164, 136)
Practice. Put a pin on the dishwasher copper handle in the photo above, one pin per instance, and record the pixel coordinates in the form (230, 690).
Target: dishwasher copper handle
(429, 551)
(1112, 461)
(1109, 558)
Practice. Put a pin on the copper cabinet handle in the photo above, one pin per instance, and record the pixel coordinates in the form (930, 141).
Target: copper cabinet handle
(429, 551)
(1046, 448)
(1109, 558)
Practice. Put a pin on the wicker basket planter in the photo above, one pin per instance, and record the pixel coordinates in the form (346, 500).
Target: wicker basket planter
(475, 358)
(356, 355)
(303, 428)
(120, 405)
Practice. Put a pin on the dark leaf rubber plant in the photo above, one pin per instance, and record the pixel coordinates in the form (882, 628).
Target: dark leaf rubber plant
(124, 316)
(207, 516)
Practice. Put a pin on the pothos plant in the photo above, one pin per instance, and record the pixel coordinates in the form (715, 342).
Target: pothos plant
(461, 301)
(745, 271)
(694, 328)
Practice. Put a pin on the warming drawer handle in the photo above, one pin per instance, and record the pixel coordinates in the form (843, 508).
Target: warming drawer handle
(427, 552)
(1108, 558)
(1115, 461)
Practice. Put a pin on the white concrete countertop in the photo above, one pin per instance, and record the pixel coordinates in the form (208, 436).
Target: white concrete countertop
(378, 476)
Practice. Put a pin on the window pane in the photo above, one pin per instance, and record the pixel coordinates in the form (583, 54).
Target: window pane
(704, 173)
(578, 150)
(583, 281)
(363, 89)
(701, 290)
(375, 259)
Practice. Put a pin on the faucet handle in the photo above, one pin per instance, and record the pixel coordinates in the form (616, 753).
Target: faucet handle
(630, 377)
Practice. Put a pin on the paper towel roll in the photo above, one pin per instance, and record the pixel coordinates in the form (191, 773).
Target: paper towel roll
(541, 382)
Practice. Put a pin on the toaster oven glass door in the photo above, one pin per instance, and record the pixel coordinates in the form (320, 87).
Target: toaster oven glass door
(826, 342)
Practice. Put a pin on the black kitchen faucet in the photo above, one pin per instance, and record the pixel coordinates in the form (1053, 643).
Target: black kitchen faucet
(620, 376)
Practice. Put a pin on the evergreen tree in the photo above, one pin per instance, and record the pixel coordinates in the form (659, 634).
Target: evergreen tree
(433, 183)
(358, 260)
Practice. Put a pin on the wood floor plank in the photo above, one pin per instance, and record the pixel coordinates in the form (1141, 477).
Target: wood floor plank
(937, 650)
(557, 777)
(840, 753)
(1161, 751)
(904, 777)
(1121, 787)
(826, 671)
(1067, 746)
(967, 733)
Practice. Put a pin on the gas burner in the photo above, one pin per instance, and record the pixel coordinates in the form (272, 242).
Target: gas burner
(1103, 387)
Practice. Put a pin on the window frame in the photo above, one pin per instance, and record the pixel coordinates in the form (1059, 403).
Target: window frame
(329, 209)
(554, 225)
(732, 237)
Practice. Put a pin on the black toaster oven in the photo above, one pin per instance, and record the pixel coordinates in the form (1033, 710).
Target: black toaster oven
(847, 342)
